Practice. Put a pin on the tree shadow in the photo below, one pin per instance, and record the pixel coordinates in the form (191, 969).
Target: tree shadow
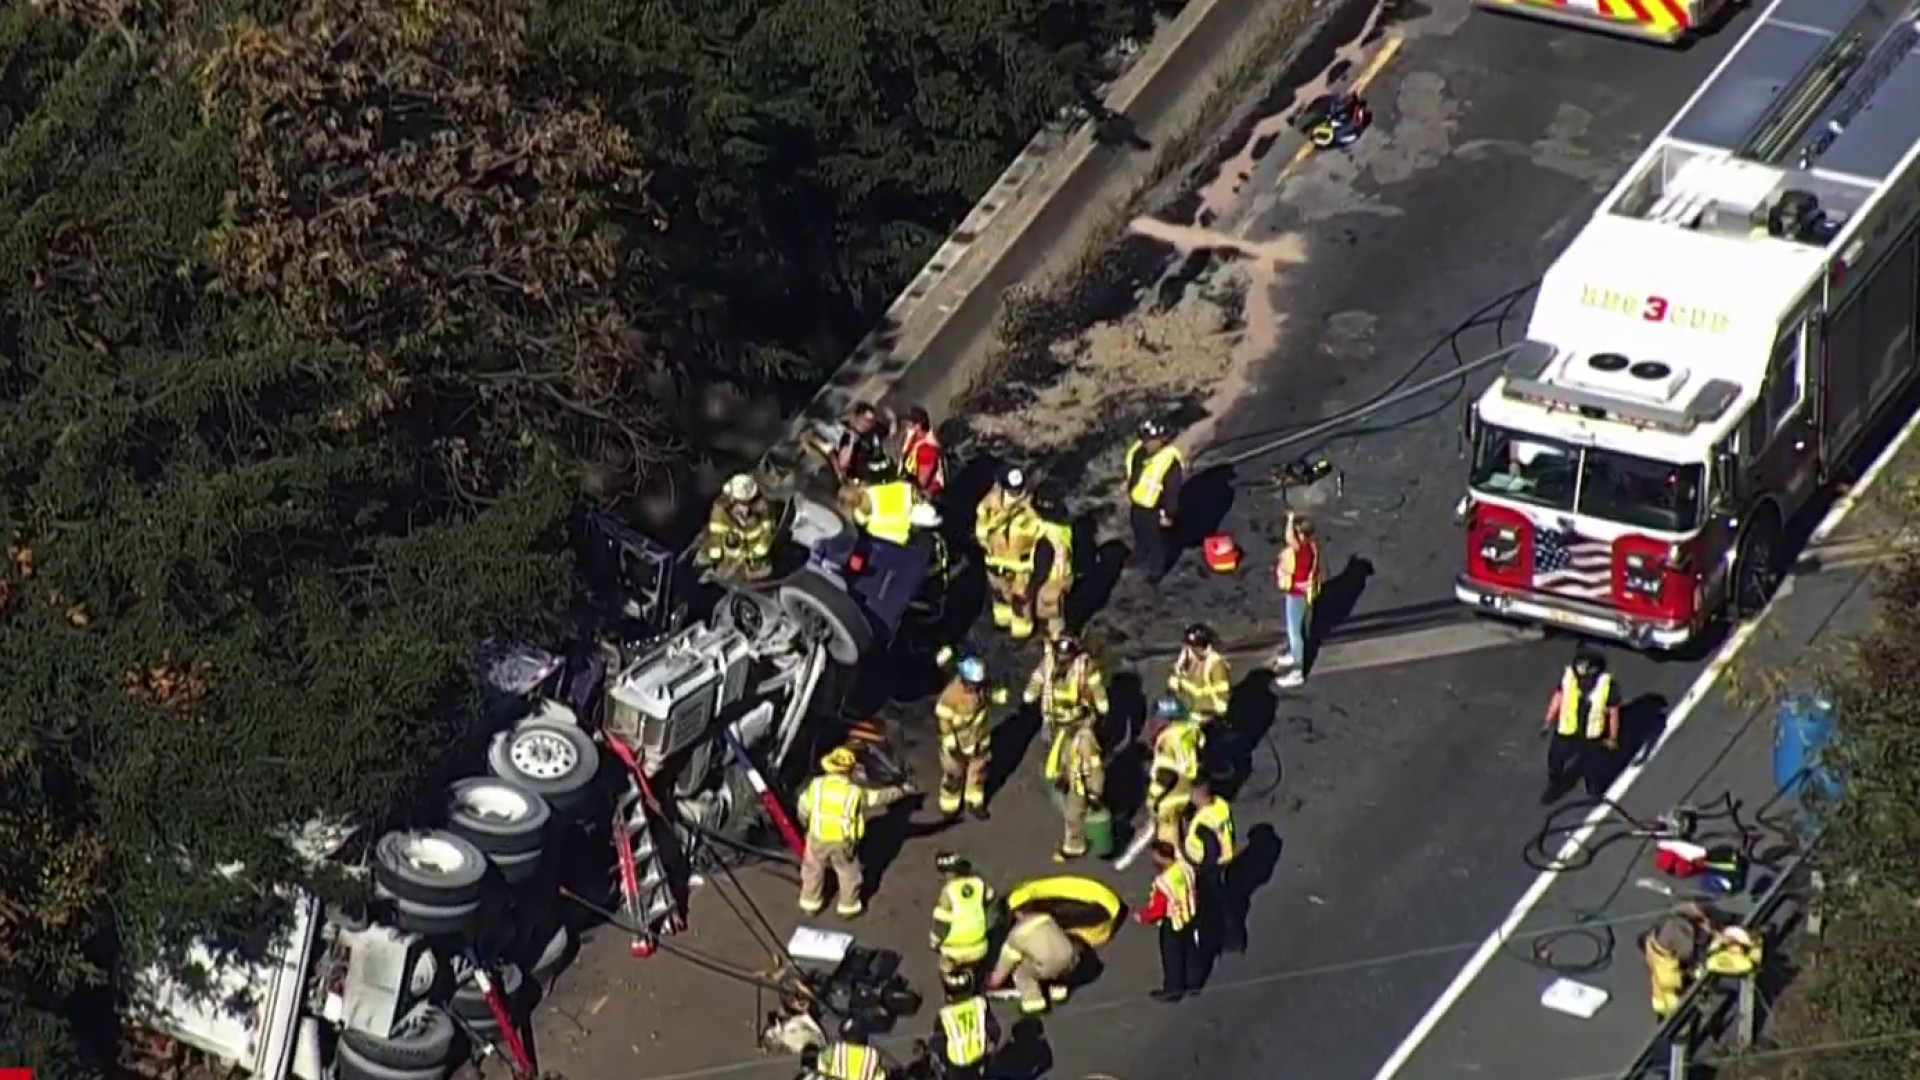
(1009, 742)
(1339, 596)
(1127, 760)
(1094, 584)
(1205, 501)
(1025, 1055)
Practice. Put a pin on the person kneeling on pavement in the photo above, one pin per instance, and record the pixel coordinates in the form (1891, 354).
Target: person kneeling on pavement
(1689, 945)
(1039, 957)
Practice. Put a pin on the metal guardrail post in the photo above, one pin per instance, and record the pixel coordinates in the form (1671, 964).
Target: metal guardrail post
(1747, 1016)
(1677, 1054)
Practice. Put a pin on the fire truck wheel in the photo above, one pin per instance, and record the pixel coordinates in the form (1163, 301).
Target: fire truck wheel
(429, 920)
(829, 615)
(470, 1004)
(517, 868)
(422, 1040)
(498, 816)
(433, 867)
(348, 1064)
(1757, 570)
(554, 956)
(556, 761)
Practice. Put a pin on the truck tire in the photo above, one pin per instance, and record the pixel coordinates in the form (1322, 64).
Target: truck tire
(470, 1004)
(498, 816)
(430, 920)
(515, 869)
(829, 615)
(349, 1064)
(553, 957)
(557, 761)
(421, 1040)
(432, 867)
(1756, 567)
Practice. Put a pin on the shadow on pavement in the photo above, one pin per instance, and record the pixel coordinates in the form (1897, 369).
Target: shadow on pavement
(1252, 871)
(1094, 583)
(1250, 716)
(1026, 1055)
(1339, 597)
(1205, 501)
(890, 832)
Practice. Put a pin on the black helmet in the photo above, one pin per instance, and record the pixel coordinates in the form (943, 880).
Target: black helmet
(958, 984)
(1066, 646)
(1013, 478)
(1153, 428)
(948, 862)
(1200, 636)
(853, 1030)
(1588, 661)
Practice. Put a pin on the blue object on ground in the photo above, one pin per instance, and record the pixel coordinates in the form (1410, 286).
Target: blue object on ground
(1803, 724)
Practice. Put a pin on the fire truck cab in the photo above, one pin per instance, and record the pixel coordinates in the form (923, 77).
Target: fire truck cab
(1716, 342)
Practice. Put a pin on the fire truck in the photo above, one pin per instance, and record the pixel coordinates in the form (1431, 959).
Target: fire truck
(1717, 342)
(1668, 22)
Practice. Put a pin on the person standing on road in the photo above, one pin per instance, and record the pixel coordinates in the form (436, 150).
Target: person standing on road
(1172, 907)
(967, 1029)
(1067, 685)
(1075, 771)
(834, 809)
(1210, 847)
(961, 713)
(1298, 575)
(1582, 726)
(960, 915)
(1007, 529)
(1155, 473)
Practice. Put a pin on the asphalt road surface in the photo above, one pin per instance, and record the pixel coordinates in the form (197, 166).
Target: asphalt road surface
(1400, 792)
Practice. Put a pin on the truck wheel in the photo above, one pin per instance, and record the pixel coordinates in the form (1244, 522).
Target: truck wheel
(470, 1004)
(430, 867)
(556, 761)
(421, 1040)
(828, 615)
(349, 1064)
(554, 956)
(515, 869)
(498, 816)
(1756, 571)
(433, 920)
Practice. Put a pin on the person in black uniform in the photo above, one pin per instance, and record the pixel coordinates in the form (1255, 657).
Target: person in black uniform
(1154, 474)
(1582, 726)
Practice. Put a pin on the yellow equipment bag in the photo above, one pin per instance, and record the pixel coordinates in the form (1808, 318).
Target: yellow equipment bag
(1083, 907)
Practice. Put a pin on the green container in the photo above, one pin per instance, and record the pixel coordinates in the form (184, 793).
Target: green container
(1100, 833)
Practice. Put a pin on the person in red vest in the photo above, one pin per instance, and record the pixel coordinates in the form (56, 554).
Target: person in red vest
(921, 458)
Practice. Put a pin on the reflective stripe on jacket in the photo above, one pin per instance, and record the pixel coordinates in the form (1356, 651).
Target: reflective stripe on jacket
(962, 911)
(1176, 883)
(1151, 483)
(964, 1023)
(1571, 700)
(851, 1061)
(1202, 680)
(1216, 817)
(889, 513)
(836, 810)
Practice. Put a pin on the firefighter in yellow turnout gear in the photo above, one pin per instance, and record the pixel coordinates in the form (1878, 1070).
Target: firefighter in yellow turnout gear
(1039, 957)
(961, 914)
(738, 541)
(1067, 685)
(1008, 530)
(967, 1032)
(834, 808)
(1175, 766)
(1078, 778)
(1053, 569)
(1201, 680)
(1674, 955)
(962, 712)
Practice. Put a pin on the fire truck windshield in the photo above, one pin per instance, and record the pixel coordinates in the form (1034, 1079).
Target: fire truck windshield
(1633, 491)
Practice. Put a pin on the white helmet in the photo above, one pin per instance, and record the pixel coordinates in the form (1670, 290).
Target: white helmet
(742, 488)
(924, 516)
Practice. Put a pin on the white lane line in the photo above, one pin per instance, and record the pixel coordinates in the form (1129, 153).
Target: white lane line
(1490, 948)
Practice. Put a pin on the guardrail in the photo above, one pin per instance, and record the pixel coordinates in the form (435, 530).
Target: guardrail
(1787, 905)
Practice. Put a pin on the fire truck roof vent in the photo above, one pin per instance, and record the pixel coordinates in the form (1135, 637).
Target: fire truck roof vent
(1650, 369)
(1607, 361)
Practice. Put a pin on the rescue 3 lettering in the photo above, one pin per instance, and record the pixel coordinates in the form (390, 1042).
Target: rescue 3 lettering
(1654, 309)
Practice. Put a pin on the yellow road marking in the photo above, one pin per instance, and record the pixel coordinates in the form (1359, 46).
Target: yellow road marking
(1360, 82)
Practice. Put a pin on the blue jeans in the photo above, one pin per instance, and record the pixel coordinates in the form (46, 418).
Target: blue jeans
(1299, 614)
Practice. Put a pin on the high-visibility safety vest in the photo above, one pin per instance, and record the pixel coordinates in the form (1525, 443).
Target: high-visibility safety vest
(889, 514)
(1007, 532)
(1177, 750)
(851, 1061)
(1202, 680)
(1289, 569)
(1151, 483)
(1176, 882)
(1215, 817)
(836, 810)
(962, 715)
(1060, 538)
(1726, 956)
(962, 907)
(1571, 702)
(1059, 692)
(910, 454)
(964, 1023)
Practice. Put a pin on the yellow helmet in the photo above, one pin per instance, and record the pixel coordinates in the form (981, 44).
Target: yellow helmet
(840, 760)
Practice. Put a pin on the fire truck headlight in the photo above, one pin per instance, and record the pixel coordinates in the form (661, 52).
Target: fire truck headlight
(1642, 576)
(1501, 546)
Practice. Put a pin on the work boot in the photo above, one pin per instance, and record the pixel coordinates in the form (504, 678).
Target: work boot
(1062, 855)
(852, 912)
(979, 812)
(1166, 996)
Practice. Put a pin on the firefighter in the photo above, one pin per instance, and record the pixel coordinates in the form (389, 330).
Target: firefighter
(862, 450)
(1210, 847)
(1172, 907)
(967, 1032)
(1673, 955)
(1038, 956)
(1155, 472)
(852, 1056)
(834, 808)
(960, 914)
(921, 459)
(1053, 568)
(1008, 530)
(739, 537)
(1176, 765)
(1067, 685)
(1076, 773)
(965, 726)
(1201, 679)
(1582, 725)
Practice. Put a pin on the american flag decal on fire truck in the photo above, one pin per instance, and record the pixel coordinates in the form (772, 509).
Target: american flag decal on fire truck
(1568, 563)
